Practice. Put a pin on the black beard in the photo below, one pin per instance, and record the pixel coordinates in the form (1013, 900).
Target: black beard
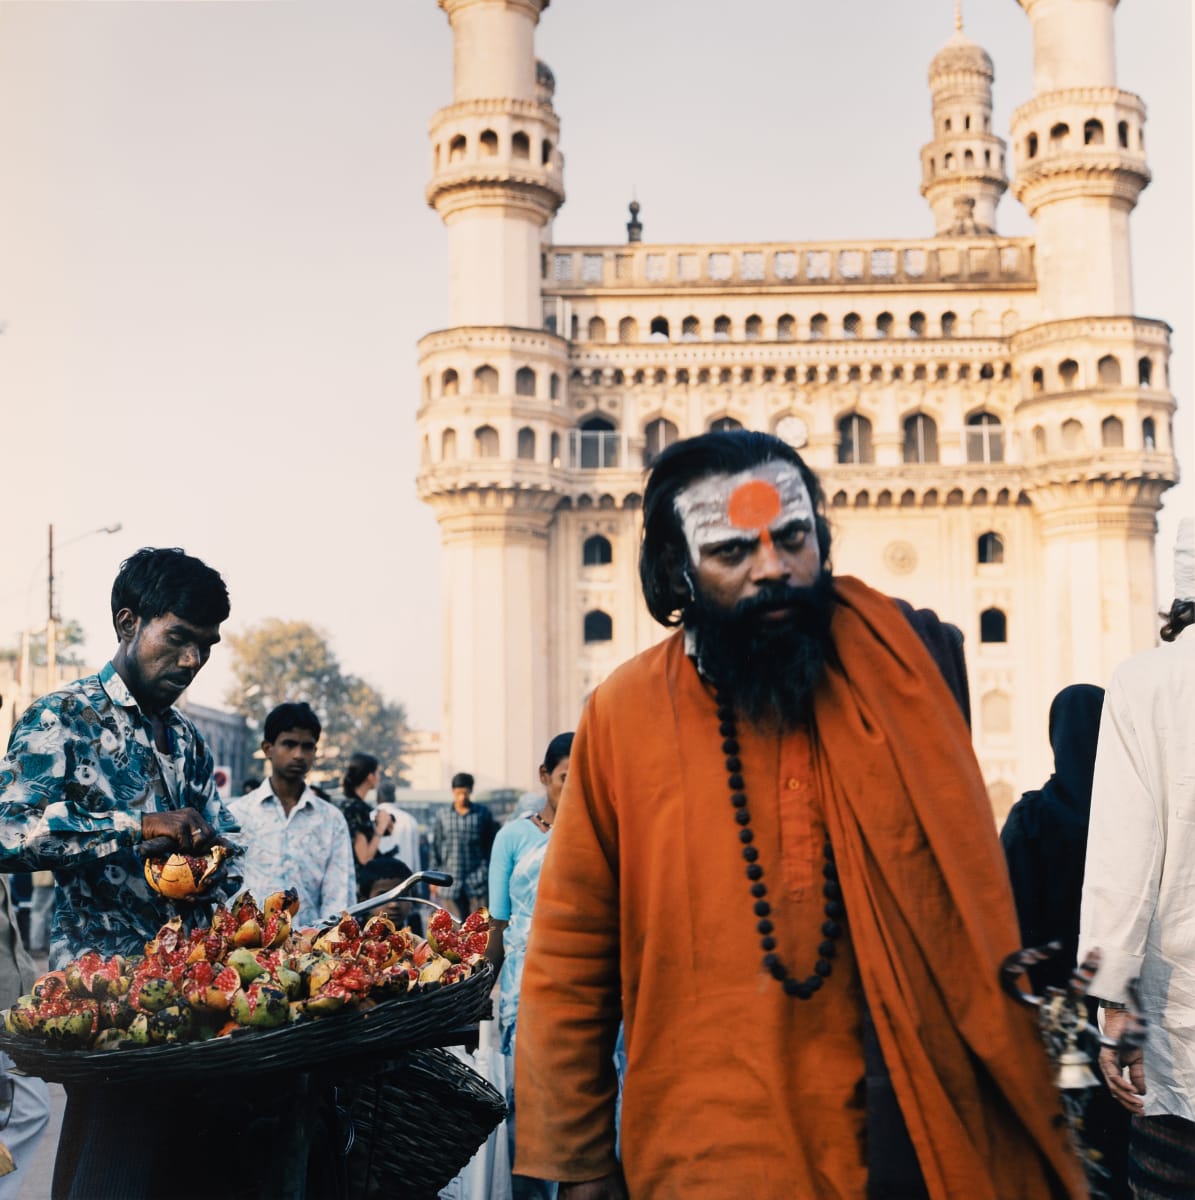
(770, 670)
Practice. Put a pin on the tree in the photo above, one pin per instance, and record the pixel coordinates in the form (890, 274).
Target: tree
(279, 661)
(68, 641)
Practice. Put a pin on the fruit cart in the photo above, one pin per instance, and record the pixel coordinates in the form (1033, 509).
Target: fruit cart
(357, 1099)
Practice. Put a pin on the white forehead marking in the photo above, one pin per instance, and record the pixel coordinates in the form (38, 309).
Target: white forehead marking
(703, 507)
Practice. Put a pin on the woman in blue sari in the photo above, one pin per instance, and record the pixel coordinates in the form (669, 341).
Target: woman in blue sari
(515, 863)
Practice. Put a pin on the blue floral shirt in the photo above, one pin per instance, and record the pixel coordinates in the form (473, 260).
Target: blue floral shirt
(81, 770)
(309, 850)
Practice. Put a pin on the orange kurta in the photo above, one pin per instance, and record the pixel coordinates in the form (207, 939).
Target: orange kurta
(732, 1087)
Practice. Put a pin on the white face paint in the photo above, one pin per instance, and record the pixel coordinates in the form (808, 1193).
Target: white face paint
(754, 503)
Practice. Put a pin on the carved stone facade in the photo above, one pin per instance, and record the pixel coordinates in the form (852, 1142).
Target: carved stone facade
(991, 423)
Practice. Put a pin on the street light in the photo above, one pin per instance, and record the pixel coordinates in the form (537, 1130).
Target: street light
(51, 615)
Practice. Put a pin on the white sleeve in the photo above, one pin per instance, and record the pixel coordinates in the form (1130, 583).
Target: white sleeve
(1125, 850)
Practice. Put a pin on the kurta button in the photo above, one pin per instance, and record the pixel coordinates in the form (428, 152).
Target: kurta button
(793, 784)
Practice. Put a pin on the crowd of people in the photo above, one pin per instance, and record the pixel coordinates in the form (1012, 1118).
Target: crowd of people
(750, 938)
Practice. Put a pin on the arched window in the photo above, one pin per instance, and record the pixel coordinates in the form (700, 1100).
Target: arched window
(1145, 370)
(1068, 372)
(485, 381)
(657, 434)
(993, 626)
(545, 153)
(817, 326)
(948, 161)
(456, 148)
(1072, 435)
(721, 329)
(596, 552)
(450, 382)
(917, 324)
(598, 627)
(525, 448)
(485, 442)
(598, 444)
(725, 425)
(553, 386)
(597, 329)
(851, 325)
(968, 158)
(690, 330)
(753, 328)
(949, 323)
(1112, 433)
(854, 439)
(520, 145)
(1093, 133)
(448, 445)
(659, 329)
(1108, 370)
(921, 439)
(1122, 134)
(489, 143)
(628, 330)
(995, 711)
(985, 438)
(1149, 434)
(1031, 145)
(786, 327)
(1058, 135)
(1039, 441)
(1039, 379)
(554, 450)
(682, 375)
(884, 325)
(524, 382)
(990, 548)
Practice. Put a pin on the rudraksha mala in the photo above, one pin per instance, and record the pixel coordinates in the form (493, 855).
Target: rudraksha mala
(834, 908)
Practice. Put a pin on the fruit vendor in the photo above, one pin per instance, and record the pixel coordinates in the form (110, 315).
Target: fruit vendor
(775, 857)
(106, 763)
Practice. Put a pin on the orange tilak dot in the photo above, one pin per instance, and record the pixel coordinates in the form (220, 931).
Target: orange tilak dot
(753, 505)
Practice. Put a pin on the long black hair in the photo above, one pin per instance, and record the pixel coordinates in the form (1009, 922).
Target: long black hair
(663, 553)
(360, 768)
(561, 746)
(154, 582)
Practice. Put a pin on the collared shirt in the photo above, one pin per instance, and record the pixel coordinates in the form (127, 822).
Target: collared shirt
(80, 773)
(462, 843)
(307, 849)
(1140, 869)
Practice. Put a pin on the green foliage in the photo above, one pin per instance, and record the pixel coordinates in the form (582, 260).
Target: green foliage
(68, 639)
(279, 661)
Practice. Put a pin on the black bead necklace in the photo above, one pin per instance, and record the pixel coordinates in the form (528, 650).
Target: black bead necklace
(834, 909)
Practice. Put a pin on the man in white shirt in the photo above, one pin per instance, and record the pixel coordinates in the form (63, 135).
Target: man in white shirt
(294, 839)
(1138, 884)
(403, 837)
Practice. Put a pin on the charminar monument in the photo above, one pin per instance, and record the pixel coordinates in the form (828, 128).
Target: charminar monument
(990, 419)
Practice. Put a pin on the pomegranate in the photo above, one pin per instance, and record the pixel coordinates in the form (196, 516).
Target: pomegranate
(181, 876)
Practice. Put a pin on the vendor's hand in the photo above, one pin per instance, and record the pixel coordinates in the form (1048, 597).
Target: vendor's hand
(185, 828)
(1127, 1092)
(609, 1188)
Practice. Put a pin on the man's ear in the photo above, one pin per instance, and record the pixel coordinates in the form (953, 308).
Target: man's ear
(127, 623)
(680, 580)
(265, 747)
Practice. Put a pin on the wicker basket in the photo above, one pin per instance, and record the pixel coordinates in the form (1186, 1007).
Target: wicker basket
(376, 1032)
(416, 1125)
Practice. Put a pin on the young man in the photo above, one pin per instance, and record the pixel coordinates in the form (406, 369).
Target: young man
(775, 859)
(462, 837)
(292, 838)
(92, 772)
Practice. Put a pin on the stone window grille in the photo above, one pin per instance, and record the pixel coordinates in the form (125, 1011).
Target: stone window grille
(817, 264)
(656, 268)
(785, 264)
(915, 263)
(591, 268)
(562, 268)
(719, 266)
(752, 265)
(850, 264)
(883, 264)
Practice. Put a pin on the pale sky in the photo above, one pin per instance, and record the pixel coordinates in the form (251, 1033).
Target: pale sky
(216, 257)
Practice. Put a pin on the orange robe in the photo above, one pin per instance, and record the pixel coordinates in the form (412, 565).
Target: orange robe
(732, 1087)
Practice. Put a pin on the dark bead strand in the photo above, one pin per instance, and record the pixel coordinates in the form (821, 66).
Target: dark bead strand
(834, 909)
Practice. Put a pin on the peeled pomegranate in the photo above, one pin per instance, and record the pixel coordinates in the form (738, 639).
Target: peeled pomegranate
(181, 876)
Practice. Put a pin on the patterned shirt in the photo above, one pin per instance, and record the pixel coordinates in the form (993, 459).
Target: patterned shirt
(307, 849)
(462, 848)
(80, 772)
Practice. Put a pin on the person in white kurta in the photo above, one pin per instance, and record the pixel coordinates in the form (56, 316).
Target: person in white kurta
(1139, 879)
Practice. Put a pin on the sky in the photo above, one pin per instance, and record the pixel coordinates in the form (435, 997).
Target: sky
(216, 258)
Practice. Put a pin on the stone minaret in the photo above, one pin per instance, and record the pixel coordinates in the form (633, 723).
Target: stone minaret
(1094, 415)
(962, 169)
(492, 417)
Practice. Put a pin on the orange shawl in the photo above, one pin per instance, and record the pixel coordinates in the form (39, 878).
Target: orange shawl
(642, 899)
